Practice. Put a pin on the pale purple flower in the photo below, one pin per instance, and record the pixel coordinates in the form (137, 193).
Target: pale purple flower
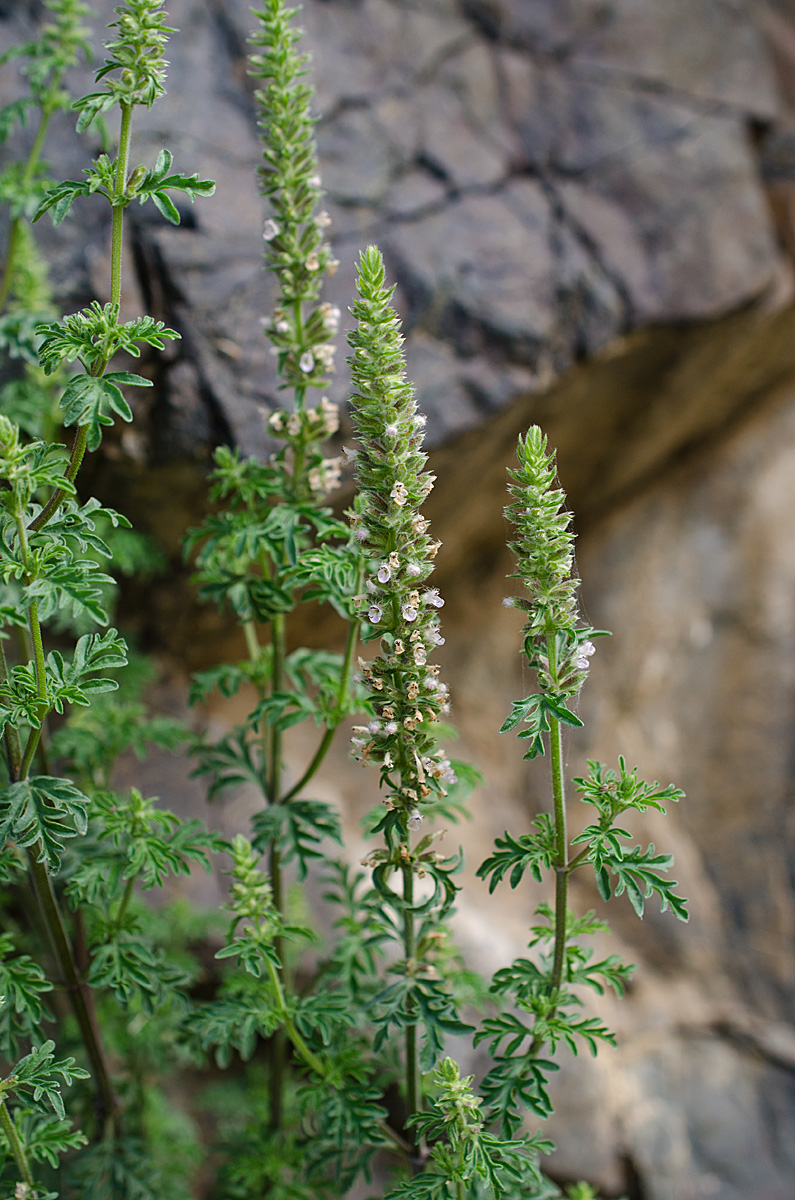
(432, 597)
(584, 652)
(384, 573)
(374, 614)
(270, 230)
(409, 612)
(307, 362)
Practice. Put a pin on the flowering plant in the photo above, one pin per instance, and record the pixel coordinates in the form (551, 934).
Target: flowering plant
(340, 1048)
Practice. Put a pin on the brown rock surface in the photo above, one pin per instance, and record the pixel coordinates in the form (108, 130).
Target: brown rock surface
(570, 196)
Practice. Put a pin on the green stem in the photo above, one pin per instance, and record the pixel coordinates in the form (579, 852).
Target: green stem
(309, 1058)
(116, 256)
(122, 165)
(58, 496)
(15, 1145)
(413, 1077)
(561, 835)
(561, 854)
(12, 242)
(11, 733)
(79, 994)
(331, 729)
(124, 903)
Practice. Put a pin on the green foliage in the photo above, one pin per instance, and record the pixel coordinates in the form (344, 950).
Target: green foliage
(43, 812)
(640, 873)
(137, 53)
(37, 1079)
(102, 179)
(346, 1032)
(23, 985)
(463, 1151)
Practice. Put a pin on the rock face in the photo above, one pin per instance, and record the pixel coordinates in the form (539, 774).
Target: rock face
(589, 209)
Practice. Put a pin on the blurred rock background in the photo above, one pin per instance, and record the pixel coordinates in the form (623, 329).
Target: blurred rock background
(589, 209)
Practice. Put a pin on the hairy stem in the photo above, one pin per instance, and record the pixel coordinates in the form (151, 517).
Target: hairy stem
(117, 243)
(79, 993)
(17, 1149)
(413, 1078)
(11, 734)
(331, 729)
(561, 836)
(12, 241)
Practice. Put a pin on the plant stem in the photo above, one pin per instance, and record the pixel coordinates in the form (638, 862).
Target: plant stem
(308, 1056)
(561, 836)
(413, 1078)
(56, 499)
(116, 256)
(117, 244)
(12, 242)
(79, 994)
(11, 733)
(15, 1145)
(331, 729)
(561, 854)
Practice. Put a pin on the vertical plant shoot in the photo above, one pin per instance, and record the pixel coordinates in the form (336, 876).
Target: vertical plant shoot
(544, 991)
(51, 549)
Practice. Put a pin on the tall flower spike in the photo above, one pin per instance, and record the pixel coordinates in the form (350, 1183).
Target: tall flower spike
(393, 483)
(557, 647)
(295, 249)
(137, 54)
(544, 549)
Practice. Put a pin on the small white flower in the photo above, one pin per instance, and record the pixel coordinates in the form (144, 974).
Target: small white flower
(312, 262)
(384, 573)
(276, 421)
(414, 569)
(374, 727)
(432, 597)
(399, 495)
(315, 181)
(508, 602)
(307, 362)
(584, 652)
(409, 612)
(391, 431)
(420, 656)
(436, 638)
(282, 326)
(270, 230)
(374, 614)
(391, 727)
(414, 819)
(350, 455)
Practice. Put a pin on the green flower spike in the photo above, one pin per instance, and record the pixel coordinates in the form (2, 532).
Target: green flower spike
(405, 691)
(557, 648)
(295, 248)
